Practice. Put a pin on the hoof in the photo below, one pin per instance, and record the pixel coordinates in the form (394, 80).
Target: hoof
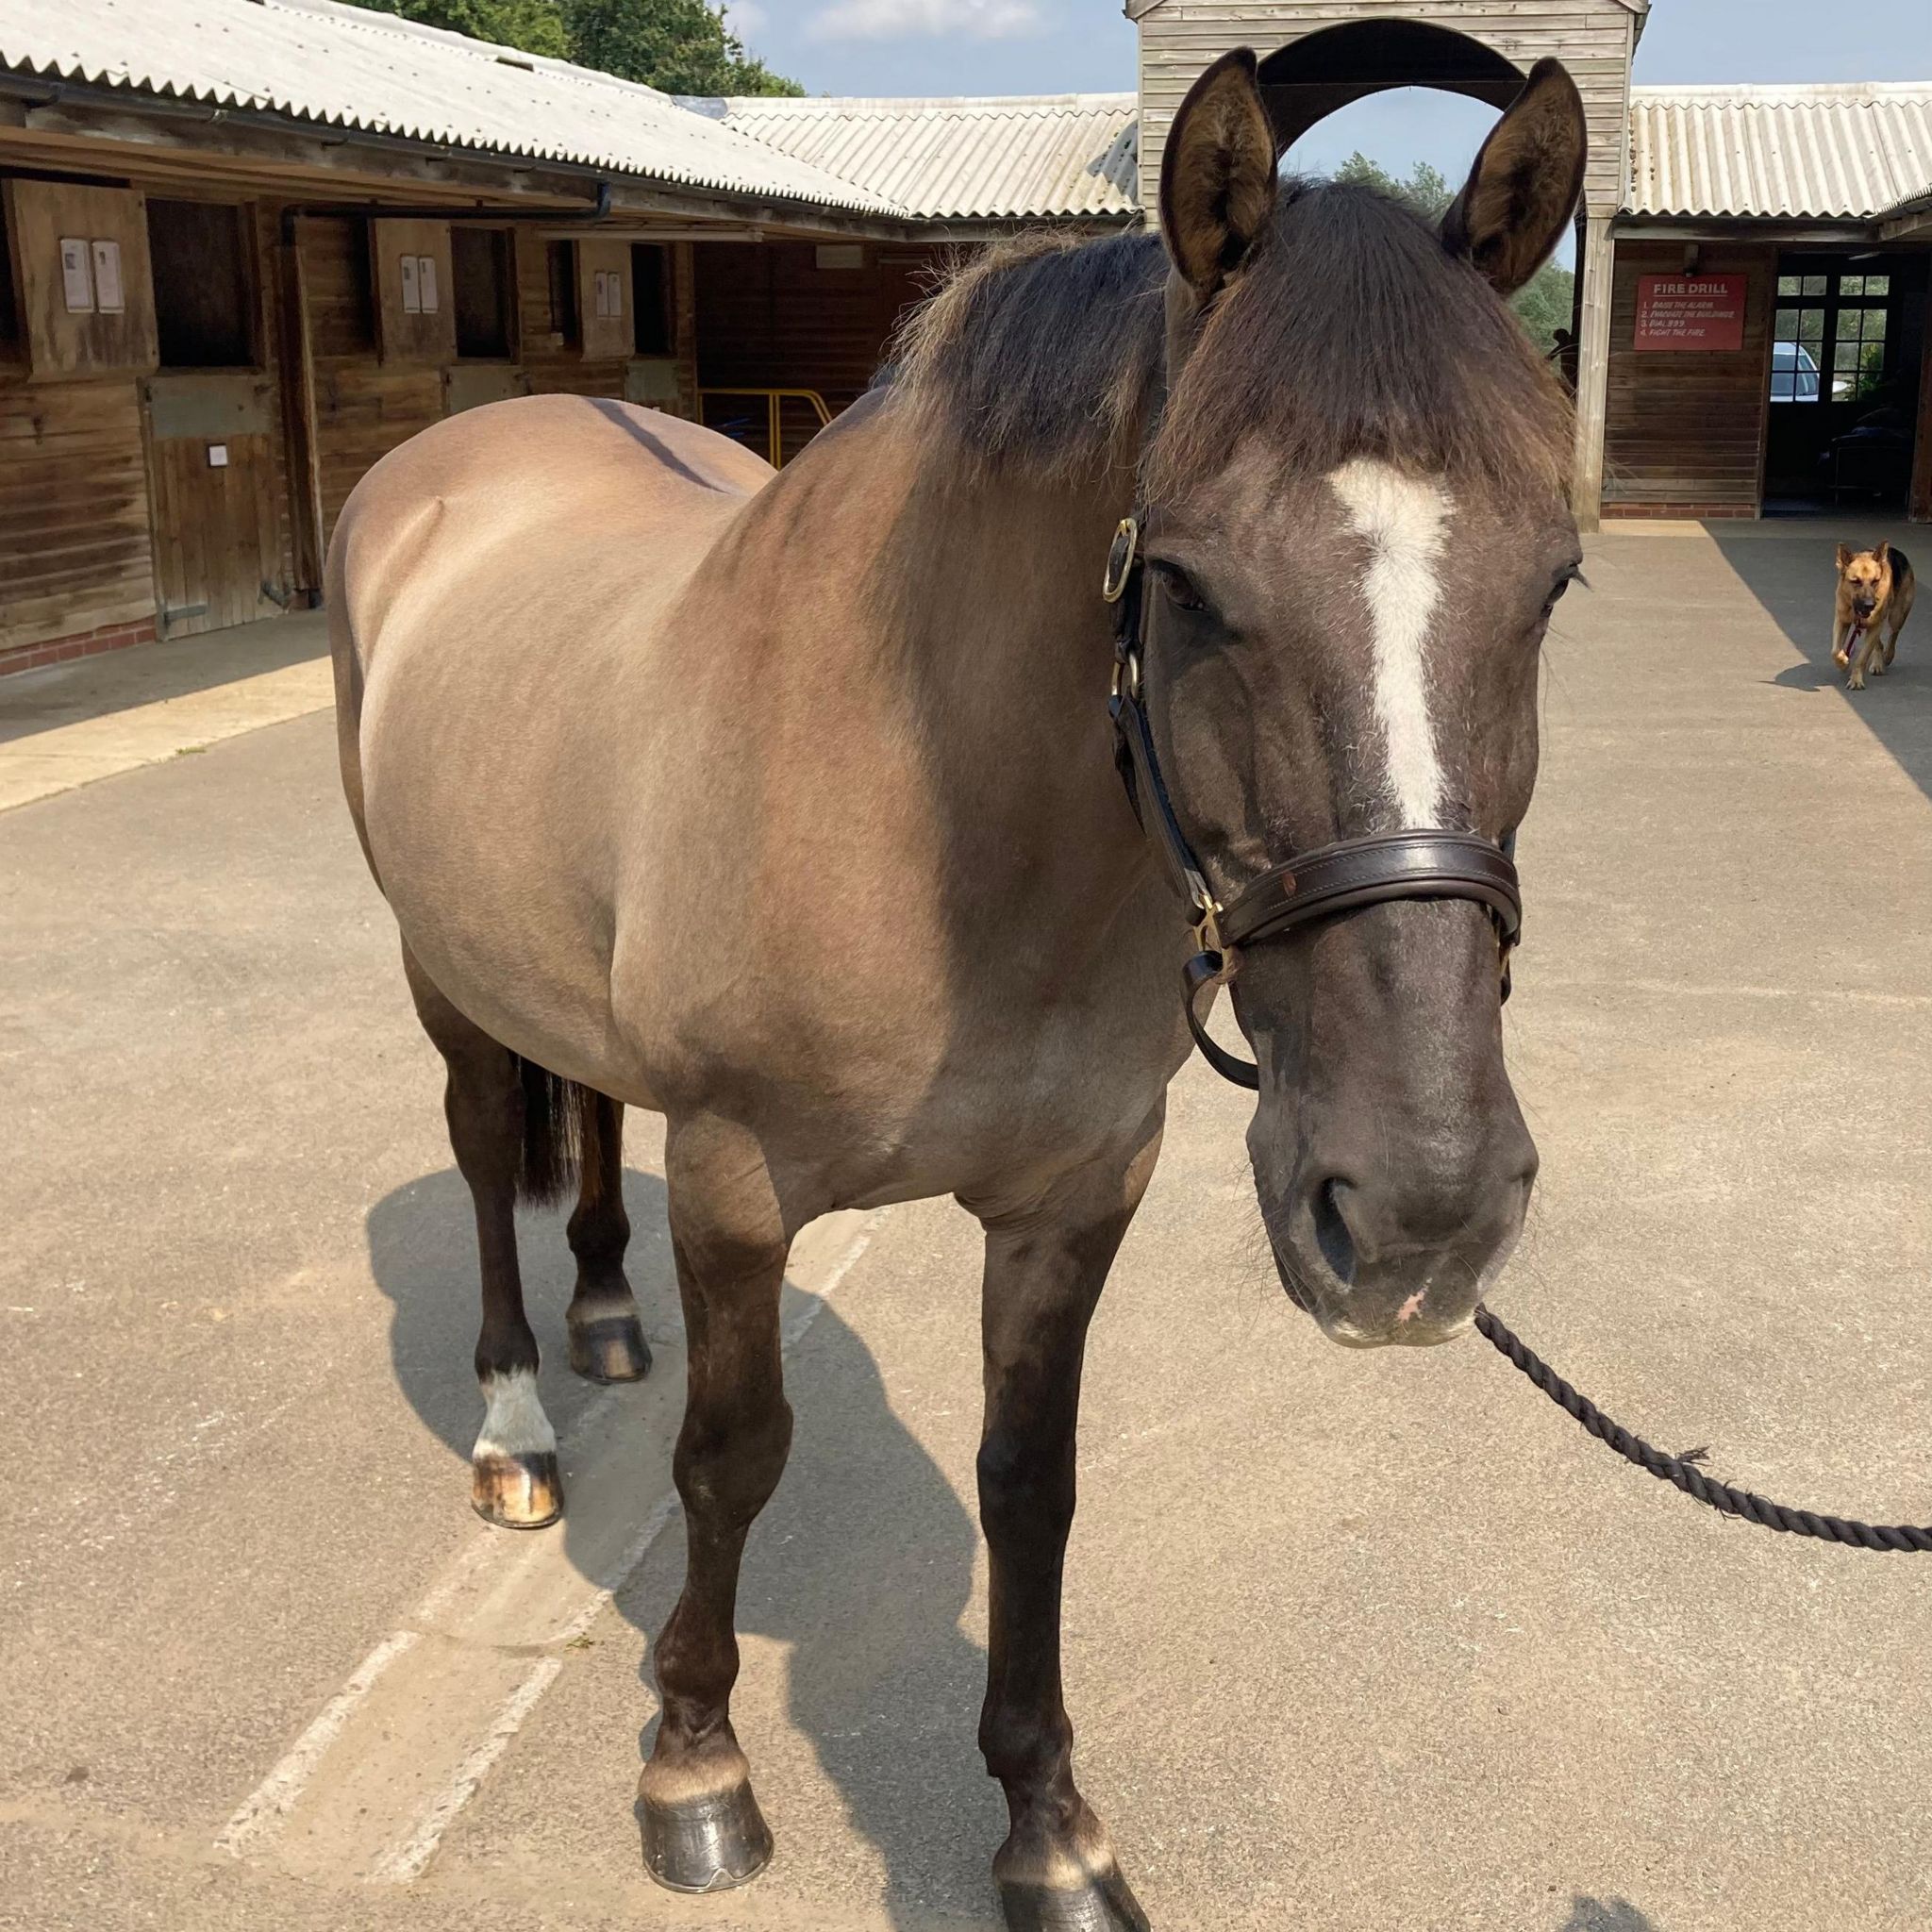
(705, 1844)
(517, 1492)
(610, 1348)
(1105, 1905)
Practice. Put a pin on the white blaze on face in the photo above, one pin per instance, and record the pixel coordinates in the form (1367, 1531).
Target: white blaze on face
(1405, 522)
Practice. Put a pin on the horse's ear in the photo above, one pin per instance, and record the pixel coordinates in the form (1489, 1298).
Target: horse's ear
(1217, 176)
(1523, 189)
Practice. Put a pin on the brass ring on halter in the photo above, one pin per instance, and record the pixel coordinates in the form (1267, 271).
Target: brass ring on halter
(1120, 559)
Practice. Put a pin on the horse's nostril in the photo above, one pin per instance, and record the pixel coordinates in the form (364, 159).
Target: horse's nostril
(1331, 1230)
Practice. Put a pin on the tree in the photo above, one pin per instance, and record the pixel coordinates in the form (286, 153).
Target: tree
(679, 45)
(1425, 193)
(682, 47)
(1547, 304)
(534, 26)
(1544, 305)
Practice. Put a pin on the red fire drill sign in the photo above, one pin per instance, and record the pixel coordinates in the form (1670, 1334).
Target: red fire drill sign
(1689, 313)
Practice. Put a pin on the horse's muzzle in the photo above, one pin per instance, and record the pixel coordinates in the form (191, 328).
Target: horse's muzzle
(1401, 1259)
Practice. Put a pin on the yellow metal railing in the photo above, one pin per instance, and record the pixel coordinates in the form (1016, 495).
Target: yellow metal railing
(775, 401)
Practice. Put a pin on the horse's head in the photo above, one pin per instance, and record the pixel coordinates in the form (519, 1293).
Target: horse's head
(1356, 528)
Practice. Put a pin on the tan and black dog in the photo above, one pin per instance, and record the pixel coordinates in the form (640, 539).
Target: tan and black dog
(1874, 598)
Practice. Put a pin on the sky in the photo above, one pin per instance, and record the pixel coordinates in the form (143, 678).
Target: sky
(1087, 46)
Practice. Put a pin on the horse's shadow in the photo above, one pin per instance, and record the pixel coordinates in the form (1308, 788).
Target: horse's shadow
(861, 1565)
(1606, 1915)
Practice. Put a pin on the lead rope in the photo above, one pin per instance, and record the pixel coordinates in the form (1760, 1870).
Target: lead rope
(1681, 1470)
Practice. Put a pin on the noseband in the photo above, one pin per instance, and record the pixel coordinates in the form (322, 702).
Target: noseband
(1321, 883)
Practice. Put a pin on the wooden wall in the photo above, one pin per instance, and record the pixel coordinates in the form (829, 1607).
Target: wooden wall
(363, 408)
(770, 317)
(74, 511)
(1594, 39)
(1685, 433)
(105, 524)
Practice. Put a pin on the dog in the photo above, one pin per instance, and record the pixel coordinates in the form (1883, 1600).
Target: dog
(1874, 598)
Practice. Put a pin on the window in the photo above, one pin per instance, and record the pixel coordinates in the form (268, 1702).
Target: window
(1858, 355)
(1797, 349)
(1829, 336)
(200, 266)
(650, 303)
(480, 266)
(560, 266)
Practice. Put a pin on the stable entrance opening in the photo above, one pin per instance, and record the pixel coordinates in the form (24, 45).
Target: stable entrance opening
(1847, 361)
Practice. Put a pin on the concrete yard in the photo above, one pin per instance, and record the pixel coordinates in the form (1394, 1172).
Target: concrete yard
(1355, 1642)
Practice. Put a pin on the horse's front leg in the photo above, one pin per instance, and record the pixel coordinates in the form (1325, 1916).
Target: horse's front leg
(702, 1828)
(1045, 1267)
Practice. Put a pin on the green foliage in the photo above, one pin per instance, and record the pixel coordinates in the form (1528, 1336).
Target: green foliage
(682, 47)
(1546, 304)
(1426, 191)
(534, 26)
(679, 45)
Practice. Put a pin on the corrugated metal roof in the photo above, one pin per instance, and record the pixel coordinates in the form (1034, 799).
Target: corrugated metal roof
(347, 67)
(1850, 152)
(1001, 158)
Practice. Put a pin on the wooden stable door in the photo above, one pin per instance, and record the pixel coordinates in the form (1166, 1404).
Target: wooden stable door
(213, 491)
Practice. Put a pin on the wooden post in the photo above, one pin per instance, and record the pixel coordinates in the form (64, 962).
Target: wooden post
(1592, 369)
(684, 300)
(1920, 507)
(298, 415)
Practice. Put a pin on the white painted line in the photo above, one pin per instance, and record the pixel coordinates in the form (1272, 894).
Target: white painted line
(834, 1276)
(492, 1579)
(407, 1860)
(273, 1797)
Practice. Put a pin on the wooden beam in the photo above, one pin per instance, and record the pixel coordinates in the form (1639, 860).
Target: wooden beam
(298, 415)
(339, 165)
(1716, 228)
(1920, 506)
(1594, 268)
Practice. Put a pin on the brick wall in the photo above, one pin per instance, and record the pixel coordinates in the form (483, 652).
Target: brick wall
(86, 643)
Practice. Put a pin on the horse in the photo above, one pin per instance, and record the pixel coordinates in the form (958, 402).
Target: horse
(787, 805)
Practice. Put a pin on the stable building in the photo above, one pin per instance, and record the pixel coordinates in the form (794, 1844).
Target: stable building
(249, 246)
(1750, 334)
(1768, 348)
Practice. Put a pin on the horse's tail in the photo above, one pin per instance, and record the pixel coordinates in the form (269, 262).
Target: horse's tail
(564, 1125)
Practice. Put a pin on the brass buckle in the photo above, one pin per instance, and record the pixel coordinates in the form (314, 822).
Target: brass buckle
(1120, 559)
(1208, 928)
(1126, 676)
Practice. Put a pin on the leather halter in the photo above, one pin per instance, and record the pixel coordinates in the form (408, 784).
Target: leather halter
(1320, 884)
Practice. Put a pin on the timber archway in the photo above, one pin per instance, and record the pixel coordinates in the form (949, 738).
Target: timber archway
(1319, 55)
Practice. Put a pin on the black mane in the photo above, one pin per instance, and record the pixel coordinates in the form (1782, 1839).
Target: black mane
(1350, 332)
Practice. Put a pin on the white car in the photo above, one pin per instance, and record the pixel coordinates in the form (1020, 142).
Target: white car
(1794, 374)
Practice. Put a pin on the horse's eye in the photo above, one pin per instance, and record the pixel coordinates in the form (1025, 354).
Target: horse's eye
(1562, 590)
(1179, 587)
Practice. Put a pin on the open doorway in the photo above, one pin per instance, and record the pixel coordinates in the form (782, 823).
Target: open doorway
(1847, 353)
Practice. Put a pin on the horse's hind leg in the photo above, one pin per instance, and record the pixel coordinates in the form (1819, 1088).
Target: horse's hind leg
(701, 1829)
(1045, 1267)
(514, 1479)
(607, 1340)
